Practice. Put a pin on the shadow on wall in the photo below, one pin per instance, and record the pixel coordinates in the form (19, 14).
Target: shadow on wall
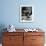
(2, 26)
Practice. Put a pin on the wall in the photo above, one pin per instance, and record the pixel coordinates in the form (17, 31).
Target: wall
(10, 13)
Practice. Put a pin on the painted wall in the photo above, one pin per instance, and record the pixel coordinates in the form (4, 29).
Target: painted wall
(10, 12)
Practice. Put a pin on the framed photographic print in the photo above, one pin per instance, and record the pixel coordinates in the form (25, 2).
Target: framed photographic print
(26, 13)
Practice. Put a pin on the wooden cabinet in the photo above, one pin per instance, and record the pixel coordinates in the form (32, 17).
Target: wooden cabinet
(23, 39)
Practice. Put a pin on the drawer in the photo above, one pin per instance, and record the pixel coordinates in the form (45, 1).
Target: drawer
(34, 33)
(8, 45)
(12, 39)
(37, 44)
(13, 33)
(12, 44)
(37, 39)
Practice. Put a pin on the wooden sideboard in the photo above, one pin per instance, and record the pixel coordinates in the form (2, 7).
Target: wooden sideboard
(23, 38)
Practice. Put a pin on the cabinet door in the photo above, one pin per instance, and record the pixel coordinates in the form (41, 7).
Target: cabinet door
(13, 40)
(27, 40)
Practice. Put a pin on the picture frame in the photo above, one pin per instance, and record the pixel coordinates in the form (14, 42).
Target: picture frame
(26, 13)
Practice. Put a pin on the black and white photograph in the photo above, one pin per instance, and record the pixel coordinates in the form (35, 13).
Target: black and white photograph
(26, 13)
